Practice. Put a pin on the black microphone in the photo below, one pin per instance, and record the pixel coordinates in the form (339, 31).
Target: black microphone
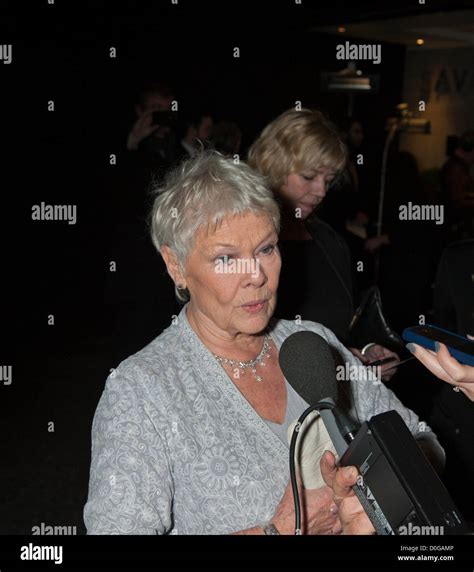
(307, 362)
(397, 487)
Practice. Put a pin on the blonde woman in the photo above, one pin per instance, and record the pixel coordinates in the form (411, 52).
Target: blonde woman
(302, 155)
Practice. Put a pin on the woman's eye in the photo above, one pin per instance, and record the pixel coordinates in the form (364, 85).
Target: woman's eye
(306, 178)
(224, 257)
(268, 249)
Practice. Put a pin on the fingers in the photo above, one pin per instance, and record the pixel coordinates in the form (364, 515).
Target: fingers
(343, 482)
(443, 365)
(328, 467)
(379, 352)
(144, 121)
(337, 528)
(430, 361)
(351, 516)
(456, 371)
(358, 354)
(340, 479)
(391, 354)
(149, 130)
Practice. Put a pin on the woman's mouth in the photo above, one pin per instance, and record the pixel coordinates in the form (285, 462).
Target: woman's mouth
(310, 207)
(254, 307)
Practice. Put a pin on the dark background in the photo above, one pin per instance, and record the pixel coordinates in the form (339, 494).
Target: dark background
(61, 52)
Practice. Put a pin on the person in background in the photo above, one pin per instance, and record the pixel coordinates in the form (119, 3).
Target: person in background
(151, 144)
(137, 297)
(342, 207)
(452, 414)
(303, 155)
(155, 96)
(412, 245)
(226, 138)
(197, 132)
(458, 188)
(150, 152)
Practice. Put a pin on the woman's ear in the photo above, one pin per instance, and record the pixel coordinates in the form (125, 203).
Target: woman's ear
(172, 265)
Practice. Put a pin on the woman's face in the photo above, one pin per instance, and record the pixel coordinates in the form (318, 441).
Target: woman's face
(306, 189)
(231, 266)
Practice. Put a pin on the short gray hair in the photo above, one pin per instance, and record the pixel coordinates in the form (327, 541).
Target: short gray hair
(204, 190)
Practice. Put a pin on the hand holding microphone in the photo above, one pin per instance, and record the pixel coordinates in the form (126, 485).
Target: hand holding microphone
(354, 519)
(320, 514)
(397, 487)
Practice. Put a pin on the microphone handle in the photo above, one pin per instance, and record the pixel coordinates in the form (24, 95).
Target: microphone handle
(332, 428)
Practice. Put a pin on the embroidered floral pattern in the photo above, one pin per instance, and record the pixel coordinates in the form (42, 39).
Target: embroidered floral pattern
(177, 449)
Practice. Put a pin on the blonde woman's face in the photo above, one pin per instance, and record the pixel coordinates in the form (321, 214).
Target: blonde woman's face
(306, 189)
(232, 268)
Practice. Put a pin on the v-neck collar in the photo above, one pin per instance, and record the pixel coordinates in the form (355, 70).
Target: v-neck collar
(226, 384)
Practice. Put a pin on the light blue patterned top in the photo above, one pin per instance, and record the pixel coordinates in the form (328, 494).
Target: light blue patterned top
(176, 448)
(294, 408)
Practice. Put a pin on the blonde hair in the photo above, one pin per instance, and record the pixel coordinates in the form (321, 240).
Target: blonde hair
(201, 192)
(294, 141)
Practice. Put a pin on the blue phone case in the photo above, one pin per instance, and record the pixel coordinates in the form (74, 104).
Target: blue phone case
(410, 335)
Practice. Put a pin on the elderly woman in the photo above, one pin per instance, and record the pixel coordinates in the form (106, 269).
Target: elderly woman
(302, 155)
(189, 436)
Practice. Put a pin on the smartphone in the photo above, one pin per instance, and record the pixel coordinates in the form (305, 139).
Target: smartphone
(385, 361)
(459, 347)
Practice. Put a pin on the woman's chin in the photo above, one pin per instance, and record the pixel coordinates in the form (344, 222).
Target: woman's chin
(255, 319)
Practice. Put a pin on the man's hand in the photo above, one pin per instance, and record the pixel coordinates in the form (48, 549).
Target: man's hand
(353, 518)
(375, 353)
(142, 128)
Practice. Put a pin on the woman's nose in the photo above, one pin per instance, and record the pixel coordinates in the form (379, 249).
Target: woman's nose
(257, 275)
(319, 188)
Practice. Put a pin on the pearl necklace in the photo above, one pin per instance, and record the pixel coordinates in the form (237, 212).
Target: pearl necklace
(252, 364)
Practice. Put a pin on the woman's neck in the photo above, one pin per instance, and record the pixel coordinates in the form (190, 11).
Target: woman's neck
(293, 228)
(240, 346)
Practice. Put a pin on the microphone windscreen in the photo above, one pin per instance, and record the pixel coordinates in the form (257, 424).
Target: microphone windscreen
(313, 440)
(307, 363)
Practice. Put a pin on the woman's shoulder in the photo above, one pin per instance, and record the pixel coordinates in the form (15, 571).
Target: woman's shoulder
(161, 348)
(148, 369)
